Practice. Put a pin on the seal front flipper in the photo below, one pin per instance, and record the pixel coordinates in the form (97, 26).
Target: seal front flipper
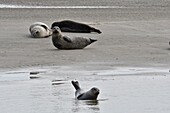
(45, 27)
(67, 39)
(79, 97)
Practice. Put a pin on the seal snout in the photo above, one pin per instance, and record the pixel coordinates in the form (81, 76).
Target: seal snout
(37, 32)
(56, 29)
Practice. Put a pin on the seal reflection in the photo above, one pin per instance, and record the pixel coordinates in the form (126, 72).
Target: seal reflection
(82, 106)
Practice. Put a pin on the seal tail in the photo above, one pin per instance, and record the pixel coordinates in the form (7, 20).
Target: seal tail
(75, 84)
(96, 30)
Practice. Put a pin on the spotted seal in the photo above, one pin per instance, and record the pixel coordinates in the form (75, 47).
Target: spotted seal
(64, 42)
(72, 26)
(40, 30)
(92, 94)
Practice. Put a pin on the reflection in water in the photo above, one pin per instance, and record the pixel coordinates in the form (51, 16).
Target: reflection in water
(85, 105)
(91, 102)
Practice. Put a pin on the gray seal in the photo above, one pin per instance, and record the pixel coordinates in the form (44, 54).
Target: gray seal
(92, 94)
(72, 26)
(65, 42)
(40, 30)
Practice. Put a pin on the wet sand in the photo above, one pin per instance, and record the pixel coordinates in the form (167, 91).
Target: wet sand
(131, 37)
(132, 40)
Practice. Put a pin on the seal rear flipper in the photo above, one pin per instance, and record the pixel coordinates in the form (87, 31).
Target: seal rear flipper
(93, 40)
(96, 30)
(75, 84)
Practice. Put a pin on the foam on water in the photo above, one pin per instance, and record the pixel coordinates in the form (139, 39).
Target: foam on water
(132, 71)
(24, 74)
(58, 7)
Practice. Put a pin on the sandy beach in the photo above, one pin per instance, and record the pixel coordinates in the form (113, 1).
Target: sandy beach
(129, 62)
(132, 37)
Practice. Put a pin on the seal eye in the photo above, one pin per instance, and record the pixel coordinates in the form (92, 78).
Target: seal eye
(36, 32)
(58, 28)
(94, 89)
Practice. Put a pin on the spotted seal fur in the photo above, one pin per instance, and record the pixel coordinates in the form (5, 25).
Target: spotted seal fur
(65, 42)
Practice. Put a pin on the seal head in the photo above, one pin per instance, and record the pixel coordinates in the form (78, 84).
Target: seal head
(40, 30)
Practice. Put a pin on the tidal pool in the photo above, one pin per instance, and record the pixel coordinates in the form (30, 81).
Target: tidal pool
(122, 90)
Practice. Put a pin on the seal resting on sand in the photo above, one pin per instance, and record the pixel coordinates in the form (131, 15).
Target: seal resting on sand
(72, 26)
(40, 30)
(64, 42)
(92, 94)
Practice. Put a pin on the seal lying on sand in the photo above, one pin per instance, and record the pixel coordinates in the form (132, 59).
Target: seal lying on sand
(64, 42)
(92, 94)
(71, 26)
(40, 30)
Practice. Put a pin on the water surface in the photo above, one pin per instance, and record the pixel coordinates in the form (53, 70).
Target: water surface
(122, 89)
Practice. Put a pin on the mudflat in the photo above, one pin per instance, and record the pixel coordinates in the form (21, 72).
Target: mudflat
(130, 36)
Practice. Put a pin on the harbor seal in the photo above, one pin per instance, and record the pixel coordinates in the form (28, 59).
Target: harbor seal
(64, 42)
(92, 94)
(72, 26)
(40, 30)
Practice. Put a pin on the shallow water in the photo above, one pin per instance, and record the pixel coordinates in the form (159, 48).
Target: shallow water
(122, 89)
(82, 3)
(58, 7)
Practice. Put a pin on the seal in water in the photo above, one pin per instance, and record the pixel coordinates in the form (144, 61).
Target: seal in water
(64, 42)
(40, 30)
(72, 26)
(92, 94)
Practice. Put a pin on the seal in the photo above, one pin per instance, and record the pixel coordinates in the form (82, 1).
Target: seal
(92, 94)
(40, 30)
(72, 26)
(65, 42)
